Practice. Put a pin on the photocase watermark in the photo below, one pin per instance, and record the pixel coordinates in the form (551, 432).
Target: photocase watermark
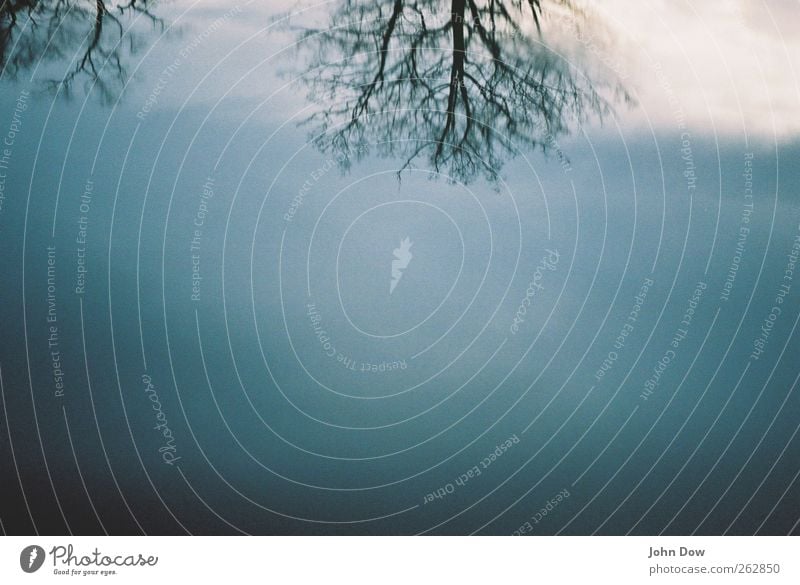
(7, 147)
(95, 562)
(402, 258)
(170, 70)
(198, 223)
(688, 163)
(666, 86)
(322, 336)
(65, 561)
(548, 262)
(542, 513)
(343, 359)
(760, 342)
(652, 383)
(81, 237)
(473, 472)
(678, 113)
(744, 227)
(627, 329)
(31, 558)
(168, 450)
(341, 158)
(53, 338)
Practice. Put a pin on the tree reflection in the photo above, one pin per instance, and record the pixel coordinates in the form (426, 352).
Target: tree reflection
(91, 33)
(462, 83)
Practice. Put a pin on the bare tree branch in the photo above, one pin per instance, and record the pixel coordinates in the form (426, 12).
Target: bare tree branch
(464, 89)
(50, 31)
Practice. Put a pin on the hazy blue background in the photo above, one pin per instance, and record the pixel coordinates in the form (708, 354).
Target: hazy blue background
(274, 435)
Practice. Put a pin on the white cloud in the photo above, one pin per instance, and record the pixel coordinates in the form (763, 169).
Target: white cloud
(733, 64)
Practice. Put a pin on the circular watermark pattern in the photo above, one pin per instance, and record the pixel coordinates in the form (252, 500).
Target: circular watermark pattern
(398, 269)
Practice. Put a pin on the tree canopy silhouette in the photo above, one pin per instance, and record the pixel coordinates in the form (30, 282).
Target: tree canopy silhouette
(40, 32)
(463, 83)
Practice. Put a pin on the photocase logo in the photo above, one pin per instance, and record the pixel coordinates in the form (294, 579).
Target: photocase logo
(402, 257)
(31, 558)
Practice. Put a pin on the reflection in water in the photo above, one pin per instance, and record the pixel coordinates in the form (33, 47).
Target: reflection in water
(464, 89)
(332, 354)
(91, 35)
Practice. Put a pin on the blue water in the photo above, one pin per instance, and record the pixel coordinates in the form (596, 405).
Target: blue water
(200, 333)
